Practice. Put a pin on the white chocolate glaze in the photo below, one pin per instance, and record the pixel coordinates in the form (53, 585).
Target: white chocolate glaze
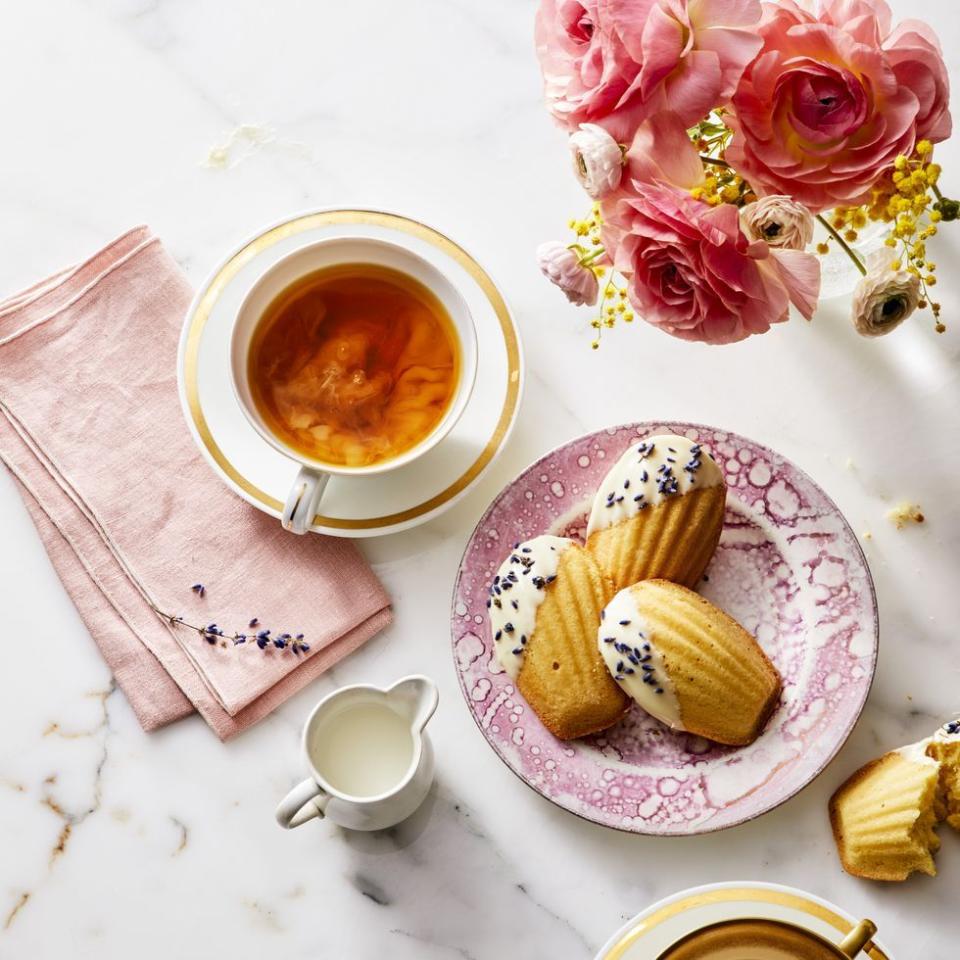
(918, 752)
(517, 591)
(629, 649)
(948, 733)
(650, 472)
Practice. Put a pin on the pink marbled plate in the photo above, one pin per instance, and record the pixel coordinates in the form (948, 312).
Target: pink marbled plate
(789, 568)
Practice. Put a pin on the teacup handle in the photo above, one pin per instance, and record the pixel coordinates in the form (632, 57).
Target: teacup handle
(304, 498)
(304, 802)
(858, 938)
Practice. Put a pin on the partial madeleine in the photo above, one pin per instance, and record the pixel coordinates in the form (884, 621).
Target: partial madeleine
(545, 603)
(687, 663)
(884, 816)
(658, 514)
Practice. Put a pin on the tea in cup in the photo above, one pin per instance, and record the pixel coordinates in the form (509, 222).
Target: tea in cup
(368, 755)
(352, 356)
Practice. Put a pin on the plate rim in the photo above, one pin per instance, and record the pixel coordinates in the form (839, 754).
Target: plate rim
(473, 473)
(623, 938)
(705, 828)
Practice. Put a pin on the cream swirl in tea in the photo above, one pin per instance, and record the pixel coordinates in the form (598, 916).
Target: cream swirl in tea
(354, 365)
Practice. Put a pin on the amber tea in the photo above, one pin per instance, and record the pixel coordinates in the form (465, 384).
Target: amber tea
(355, 364)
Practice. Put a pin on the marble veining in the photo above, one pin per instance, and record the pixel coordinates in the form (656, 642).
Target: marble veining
(116, 844)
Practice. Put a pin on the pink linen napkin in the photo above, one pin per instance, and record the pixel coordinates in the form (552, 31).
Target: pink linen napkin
(131, 516)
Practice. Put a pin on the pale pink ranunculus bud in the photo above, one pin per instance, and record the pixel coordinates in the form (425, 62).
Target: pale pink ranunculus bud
(884, 298)
(597, 160)
(562, 266)
(779, 220)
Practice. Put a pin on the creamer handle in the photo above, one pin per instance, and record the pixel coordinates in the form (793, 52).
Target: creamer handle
(304, 802)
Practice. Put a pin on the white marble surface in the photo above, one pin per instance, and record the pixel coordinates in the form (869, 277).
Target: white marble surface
(119, 844)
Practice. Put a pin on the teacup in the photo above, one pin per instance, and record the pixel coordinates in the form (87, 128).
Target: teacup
(368, 755)
(766, 939)
(308, 487)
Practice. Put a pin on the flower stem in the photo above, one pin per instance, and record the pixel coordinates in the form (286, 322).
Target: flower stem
(847, 249)
(264, 639)
(589, 258)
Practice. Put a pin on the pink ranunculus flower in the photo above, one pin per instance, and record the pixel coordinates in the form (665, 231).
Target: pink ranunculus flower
(691, 269)
(617, 62)
(561, 266)
(692, 272)
(833, 98)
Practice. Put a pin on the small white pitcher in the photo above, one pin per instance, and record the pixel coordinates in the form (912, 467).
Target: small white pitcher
(369, 757)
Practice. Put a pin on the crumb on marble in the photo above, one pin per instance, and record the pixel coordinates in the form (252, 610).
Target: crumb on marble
(905, 513)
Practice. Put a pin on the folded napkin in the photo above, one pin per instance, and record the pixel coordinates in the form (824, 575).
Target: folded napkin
(131, 516)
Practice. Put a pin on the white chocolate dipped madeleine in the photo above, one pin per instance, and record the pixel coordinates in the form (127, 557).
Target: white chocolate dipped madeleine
(687, 663)
(658, 513)
(545, 603)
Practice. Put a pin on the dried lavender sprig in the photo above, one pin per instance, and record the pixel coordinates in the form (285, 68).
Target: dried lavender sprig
(264, 638)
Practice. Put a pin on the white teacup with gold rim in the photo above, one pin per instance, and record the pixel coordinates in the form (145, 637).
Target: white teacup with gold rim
(778, 923)
(766, 939)
(368, 754)
(352, 356)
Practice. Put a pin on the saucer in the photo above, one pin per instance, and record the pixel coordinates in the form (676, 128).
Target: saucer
(361, 506)
(788, 567)
(648, 934)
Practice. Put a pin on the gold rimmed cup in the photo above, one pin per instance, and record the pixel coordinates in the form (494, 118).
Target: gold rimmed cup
(312, 258)
(763, 938)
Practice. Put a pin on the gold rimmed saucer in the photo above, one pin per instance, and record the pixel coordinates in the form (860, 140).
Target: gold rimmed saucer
(368, 506)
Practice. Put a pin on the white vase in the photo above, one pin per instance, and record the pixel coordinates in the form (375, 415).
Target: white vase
(839, 275)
